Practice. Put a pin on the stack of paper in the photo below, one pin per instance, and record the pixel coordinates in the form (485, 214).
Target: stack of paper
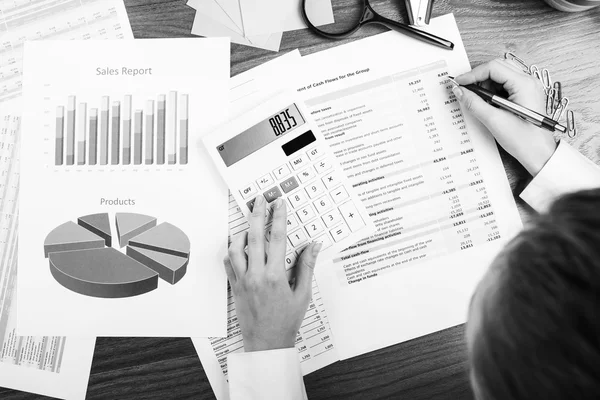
(252, 22)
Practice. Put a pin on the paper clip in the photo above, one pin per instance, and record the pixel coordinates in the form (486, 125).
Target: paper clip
(560, 110)
(558, 88)
(546, 80)
(550, 102)
(535, 71)
(571, 127)
(513, 57)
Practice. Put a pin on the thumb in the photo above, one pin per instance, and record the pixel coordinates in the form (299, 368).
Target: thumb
(477, 106)
(306, 266)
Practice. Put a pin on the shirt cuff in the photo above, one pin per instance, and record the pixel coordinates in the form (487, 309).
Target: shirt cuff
(271, 374)
(567, 171)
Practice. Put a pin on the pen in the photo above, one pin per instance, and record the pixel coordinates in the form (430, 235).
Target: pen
(523, 112)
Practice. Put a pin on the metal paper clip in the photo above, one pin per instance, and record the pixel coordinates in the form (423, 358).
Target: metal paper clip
(558, 88)
(535, 71)
(571, 127)
(550, 102)
(546, 80)
(560, 110)
(513, 57)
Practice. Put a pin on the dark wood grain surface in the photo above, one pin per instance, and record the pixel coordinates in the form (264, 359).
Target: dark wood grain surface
(431, 367)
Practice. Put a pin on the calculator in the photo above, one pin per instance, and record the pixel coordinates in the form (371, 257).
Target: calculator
(277, 151)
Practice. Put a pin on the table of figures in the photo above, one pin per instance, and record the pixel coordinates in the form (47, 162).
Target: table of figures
(413, 166)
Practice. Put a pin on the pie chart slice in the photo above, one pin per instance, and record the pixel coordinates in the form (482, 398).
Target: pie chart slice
(70, 236)
(169, 267)
(98, 224)
(105, 273)
(164, 238)
(130, 225)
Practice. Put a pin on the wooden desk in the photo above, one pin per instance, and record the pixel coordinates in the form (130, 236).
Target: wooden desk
(431, 367)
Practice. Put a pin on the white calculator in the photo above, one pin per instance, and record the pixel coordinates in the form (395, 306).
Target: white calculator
(276, 150)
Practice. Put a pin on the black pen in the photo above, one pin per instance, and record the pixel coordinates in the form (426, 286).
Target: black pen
(523, 112)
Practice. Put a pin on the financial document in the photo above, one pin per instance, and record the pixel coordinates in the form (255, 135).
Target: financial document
(430, 176)
(27, 20)
(314, 342)
(111, 134)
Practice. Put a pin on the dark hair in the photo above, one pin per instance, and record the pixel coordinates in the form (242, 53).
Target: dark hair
(539, 336)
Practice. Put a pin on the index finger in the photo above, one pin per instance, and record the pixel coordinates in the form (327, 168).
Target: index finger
(278, 240)
(496, 71)
(256, 234)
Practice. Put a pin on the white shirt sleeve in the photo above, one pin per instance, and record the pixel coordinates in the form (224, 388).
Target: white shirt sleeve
(266, 375)
(567, 171)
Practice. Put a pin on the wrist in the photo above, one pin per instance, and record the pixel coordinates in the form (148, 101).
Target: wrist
(537, 158)
(257, 343)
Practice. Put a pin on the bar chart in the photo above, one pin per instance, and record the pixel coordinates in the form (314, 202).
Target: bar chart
(123, 131)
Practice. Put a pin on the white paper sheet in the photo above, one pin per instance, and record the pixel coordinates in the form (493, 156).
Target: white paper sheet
(314, 342)
(268, 16)
(51, 366)
(215, 10)
(430, 176)
(189, 196)
(212, 20)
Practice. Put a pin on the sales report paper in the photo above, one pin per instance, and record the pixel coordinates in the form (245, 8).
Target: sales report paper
(110, 156)
(430, 176)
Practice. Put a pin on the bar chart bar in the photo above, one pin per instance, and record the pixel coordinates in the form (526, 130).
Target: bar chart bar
(81, 132)
(160, 130)
(93, 136)
(149, 132)
(127, 130)
(137, 137)
(104, 121)
(60, 128)
(71, 130)
(172, 128)
(115, 133)
(184, 129)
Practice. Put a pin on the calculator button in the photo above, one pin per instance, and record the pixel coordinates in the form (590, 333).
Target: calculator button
(292, 222)
(281, 172)
(248, 191)
(323, 204)
(265, 181)
(289, 184)
(326, 240)
(332, 218)
(306, 175)
(315, 189)
(297, 199)
(272, 194)
(340, 194)
(314, 228)
(306, 214)
(315, 153)
(290, 260)
(322, 166)
(351, 216)
(331, 180)
(298, 162)
(340, 232)
(297, 237)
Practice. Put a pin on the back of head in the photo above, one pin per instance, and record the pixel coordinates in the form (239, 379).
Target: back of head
(539, 330)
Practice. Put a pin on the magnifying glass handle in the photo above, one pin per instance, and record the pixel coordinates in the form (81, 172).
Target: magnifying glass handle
(415, 33)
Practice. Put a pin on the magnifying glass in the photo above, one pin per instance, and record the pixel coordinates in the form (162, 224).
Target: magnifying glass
(351, 19)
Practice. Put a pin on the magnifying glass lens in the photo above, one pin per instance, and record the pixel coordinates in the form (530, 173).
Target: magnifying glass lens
(346, 14)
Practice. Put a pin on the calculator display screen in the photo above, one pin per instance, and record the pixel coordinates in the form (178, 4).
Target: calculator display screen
(260, 135)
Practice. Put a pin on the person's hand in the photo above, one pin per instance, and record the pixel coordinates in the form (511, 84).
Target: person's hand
(530, 145)
(269, 309)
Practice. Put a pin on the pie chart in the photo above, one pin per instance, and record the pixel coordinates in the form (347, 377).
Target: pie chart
(83, 260)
